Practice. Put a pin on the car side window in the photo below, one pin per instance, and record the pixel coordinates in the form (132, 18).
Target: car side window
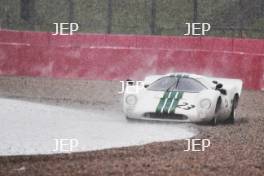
(190, 85)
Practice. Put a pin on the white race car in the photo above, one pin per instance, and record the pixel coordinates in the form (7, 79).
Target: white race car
(182, 97)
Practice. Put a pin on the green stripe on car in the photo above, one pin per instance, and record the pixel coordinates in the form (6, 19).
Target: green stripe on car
(169, 102)
(162, 101)
(176, 102)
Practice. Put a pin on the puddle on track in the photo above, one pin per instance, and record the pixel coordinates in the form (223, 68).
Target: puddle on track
(31, 128)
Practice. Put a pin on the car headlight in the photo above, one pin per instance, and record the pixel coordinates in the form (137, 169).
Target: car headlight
(131, 99)
(205, 104)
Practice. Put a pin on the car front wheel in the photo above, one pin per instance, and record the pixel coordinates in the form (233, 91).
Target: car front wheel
(217, 108)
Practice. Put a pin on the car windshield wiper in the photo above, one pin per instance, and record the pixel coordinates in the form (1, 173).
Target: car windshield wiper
(172, 84)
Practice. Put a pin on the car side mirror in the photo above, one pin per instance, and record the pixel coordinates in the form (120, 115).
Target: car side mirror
(129, 82)
(222, 91)
(219, 86)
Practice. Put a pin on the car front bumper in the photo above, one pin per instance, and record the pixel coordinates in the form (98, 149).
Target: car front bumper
(173, 117)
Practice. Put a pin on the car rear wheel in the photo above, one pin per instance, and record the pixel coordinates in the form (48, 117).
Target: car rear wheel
(231, 118)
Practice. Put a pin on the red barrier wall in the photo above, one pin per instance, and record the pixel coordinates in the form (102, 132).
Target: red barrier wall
(117, 57)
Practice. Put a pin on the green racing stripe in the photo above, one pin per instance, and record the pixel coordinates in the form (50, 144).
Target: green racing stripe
(170, 99)
(169, 102)
(176, 102)
(161, 102)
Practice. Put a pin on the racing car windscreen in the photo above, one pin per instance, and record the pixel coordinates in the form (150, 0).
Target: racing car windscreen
(189, 85)
(163, 84)
(171, 83)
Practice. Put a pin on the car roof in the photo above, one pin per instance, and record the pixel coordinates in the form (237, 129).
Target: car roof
(185, 74)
